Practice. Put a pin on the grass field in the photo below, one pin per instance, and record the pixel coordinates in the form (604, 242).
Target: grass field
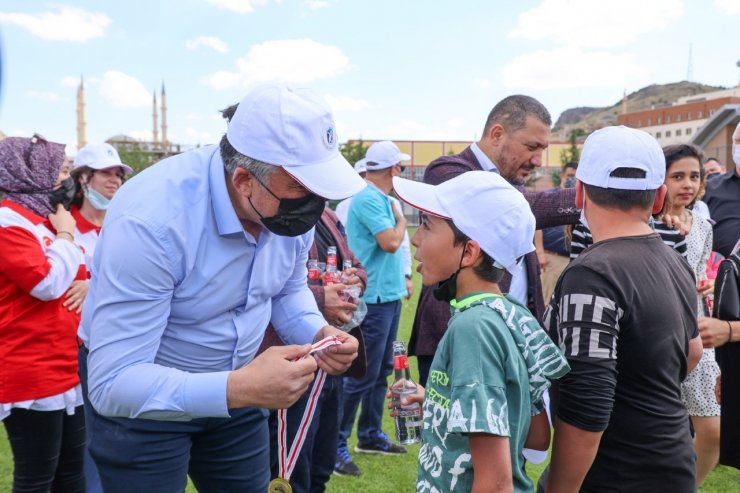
(397, 474)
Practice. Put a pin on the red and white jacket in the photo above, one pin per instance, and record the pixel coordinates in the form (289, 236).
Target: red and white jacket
(86, 235)
(38, 344)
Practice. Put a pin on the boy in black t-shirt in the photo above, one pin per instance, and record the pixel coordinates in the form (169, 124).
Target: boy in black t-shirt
(624, 315)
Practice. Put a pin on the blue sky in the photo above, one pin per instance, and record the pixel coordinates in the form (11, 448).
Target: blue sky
(391, 69)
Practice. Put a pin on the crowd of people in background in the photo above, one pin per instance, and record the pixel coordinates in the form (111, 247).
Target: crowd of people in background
(152, 326)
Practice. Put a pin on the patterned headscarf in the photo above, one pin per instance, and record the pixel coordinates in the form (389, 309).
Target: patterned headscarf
(28, 170)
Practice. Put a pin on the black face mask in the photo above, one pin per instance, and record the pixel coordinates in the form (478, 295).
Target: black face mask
(294, 216)
(447, 290)
(64, 195)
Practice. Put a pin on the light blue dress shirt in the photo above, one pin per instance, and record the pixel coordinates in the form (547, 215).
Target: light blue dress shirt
(182, 294)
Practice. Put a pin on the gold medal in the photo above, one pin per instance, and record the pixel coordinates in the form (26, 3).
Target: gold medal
(279, 485)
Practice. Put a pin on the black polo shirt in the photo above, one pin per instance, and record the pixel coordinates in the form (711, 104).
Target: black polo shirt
(723, 200)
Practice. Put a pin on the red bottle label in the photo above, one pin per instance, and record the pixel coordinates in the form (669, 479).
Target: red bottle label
(400, 362)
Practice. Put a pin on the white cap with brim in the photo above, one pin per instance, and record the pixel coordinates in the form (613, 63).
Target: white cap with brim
(361, 166)
(294, 129)
(384, 154)
(481, 204)
(100, 156)
(612, 148)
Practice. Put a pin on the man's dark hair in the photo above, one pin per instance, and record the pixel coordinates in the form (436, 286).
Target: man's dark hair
(623, 200)
(484, 269)
(571, 165)
(710, 158)
(512, 112)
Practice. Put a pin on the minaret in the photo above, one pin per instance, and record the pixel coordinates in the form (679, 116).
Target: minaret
(624, 102)
(164, 119)
(155, 124)
(81, 123)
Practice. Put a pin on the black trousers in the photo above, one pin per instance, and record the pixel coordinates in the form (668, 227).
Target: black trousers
(47, 450)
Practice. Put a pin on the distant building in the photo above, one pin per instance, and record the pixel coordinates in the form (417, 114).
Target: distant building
(702, 119)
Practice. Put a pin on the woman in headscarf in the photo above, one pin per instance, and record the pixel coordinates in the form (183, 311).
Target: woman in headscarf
(40, 395)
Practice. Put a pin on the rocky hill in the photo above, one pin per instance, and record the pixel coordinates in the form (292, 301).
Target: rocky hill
(589, 118)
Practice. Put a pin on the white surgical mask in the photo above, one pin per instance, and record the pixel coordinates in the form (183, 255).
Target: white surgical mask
(97, 200)
(736, 155)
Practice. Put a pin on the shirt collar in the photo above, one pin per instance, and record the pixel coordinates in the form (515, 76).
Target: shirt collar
(226, 219)
(81, 222)
(484, 161)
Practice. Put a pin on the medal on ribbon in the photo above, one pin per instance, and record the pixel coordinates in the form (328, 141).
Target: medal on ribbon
(287, 458)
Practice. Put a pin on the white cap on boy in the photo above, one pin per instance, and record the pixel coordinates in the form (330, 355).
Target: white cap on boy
(611, 148)
(482, 205)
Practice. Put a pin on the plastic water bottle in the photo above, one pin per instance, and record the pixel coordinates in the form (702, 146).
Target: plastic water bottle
(408, 417)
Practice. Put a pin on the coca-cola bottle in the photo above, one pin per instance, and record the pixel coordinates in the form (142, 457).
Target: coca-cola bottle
(314, 273)
(408, 416)
(331, 276)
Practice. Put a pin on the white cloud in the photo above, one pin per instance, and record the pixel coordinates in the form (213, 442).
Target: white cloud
(124, 91)
(199, 136)
(727, 7)
(291, 60)
(572, 68)
(69, 24)
(594, 24)
(47, 96)
(211, 42)
(317, 4)
(70, 81)
(481, 83)
(238, 6)
(346, 103)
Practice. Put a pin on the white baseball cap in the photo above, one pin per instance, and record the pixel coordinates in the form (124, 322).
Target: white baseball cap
(100, 156)
(612, 148)
(361, 166)
(294, 129)
(384, 154)
(481, 204)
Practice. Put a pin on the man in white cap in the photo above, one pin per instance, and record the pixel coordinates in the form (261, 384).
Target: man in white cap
(375, 231)
(198, 254)
(494, 362)
(624, 314)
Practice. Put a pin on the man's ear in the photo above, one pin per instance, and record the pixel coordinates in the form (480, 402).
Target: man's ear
(660, 194)
(580, 194)
(496, 134)
(242, 180)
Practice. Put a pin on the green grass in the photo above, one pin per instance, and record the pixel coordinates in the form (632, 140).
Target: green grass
(382, 474)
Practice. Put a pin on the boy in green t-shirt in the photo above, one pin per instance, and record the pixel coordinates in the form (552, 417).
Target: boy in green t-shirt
(494, 362)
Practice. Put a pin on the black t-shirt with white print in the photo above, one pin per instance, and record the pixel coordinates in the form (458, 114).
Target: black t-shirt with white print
(623, 314)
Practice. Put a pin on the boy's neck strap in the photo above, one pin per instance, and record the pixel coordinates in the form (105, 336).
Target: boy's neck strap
(470, 300)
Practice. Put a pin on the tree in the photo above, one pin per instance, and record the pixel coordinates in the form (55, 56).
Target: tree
(353, 151)
(135, 157)
(572, 154)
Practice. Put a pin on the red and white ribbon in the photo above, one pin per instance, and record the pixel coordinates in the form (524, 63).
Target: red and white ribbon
(287, 461)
